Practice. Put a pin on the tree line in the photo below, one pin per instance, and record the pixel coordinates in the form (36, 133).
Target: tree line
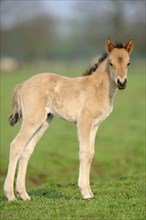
(44, 36)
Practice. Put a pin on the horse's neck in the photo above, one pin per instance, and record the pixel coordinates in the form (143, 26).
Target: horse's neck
(102, 76)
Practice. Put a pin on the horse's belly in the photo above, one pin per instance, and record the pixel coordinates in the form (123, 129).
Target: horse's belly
(68, 113)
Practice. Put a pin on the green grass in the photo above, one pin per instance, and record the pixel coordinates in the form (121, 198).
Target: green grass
(118, 169)
(120, 199)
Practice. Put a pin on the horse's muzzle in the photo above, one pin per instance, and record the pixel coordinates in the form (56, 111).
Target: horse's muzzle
(121, 85)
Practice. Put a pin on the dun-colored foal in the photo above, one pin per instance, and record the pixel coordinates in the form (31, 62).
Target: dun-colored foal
(86, 100)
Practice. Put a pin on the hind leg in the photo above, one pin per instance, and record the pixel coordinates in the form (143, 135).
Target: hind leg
(24, 158)
(28, 129)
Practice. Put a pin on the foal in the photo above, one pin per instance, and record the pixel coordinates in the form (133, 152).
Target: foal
(85, 100)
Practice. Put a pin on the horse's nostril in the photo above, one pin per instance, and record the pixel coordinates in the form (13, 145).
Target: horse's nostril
(118, 81)
(121, 85)
(125, 82)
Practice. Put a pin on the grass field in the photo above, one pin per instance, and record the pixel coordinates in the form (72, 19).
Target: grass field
(118, 169)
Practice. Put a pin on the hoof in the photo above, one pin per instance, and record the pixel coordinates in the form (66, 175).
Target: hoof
(11, 198)
(89, 197)
(24, 196)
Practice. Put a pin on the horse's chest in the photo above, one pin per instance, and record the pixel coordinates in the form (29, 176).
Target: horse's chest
(103, 115)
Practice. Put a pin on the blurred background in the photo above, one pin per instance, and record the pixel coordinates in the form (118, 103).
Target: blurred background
(65, 37)
(38, 32)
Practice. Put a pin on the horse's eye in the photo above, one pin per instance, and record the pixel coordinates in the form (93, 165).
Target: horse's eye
(128, 64)
(111, 64)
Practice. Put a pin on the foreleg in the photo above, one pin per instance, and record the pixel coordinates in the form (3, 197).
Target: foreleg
(87, 133)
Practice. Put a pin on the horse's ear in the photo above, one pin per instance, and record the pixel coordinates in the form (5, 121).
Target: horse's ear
(109, 45)
(129, 46)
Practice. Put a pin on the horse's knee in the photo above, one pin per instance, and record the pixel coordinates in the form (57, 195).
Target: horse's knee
(86, 155)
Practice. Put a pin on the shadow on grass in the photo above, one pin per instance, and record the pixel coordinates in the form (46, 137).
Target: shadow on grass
(70, 191)
(48, 193)
(52, 191)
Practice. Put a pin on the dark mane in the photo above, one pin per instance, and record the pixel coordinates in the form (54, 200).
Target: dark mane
(119, 45)
(93, 68)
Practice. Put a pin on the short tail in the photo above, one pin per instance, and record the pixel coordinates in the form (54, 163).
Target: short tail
(16, 114)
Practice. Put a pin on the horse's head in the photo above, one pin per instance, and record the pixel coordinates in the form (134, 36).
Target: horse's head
(118, 61)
